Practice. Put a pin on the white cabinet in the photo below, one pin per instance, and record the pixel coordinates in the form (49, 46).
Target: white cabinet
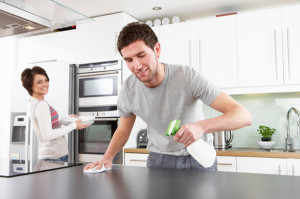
(293, 167)
(291, 44)
(52, 47)
(97, 41)
(259, 45)
(262, 165)
(208, 45)
(216, 49)
(135, 159)
(226, 163)
(176, 41)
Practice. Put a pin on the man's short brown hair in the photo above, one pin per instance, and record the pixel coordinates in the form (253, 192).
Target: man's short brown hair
(27, 77)
(136, 31)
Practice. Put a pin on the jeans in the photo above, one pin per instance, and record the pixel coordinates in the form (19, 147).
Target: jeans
(158, 160)
(61, 159)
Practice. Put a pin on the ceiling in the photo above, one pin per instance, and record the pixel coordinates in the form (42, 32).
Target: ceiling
(185, 9)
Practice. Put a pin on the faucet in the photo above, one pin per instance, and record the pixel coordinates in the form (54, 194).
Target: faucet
(288, 140)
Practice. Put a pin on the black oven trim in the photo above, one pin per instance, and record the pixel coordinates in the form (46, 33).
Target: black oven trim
(115, 88)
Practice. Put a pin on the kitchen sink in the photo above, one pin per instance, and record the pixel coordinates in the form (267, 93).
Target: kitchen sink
(283, 150)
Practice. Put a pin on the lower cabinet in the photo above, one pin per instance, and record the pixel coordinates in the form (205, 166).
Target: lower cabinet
(135, 159)
(279, 166)
(226, 163)
(293, 167)
(262, 165)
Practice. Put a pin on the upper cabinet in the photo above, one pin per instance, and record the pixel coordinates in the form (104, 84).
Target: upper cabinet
(208, 45)
(291, 44)
(216, 49)
(259, 45)
(53, 47)
(97, 41)
(268, 47)
(176, 41)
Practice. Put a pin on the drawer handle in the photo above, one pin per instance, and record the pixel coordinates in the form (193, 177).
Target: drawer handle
(137, 160)
(225, 164)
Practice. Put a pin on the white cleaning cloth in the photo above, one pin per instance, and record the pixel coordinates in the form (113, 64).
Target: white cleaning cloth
(94, 170)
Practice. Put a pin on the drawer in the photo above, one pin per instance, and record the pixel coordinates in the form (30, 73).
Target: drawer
(226, 163)
(136, 159)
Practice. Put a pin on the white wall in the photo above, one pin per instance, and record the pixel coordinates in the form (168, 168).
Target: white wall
(7, 65)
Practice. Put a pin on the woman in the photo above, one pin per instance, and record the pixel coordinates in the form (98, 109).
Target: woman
(46, 123)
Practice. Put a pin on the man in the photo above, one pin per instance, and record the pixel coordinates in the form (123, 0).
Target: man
(159, 93)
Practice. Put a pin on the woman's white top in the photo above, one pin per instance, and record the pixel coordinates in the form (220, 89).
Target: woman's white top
(52, 142)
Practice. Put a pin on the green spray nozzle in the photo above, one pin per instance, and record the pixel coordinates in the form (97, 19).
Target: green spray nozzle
(174, 126)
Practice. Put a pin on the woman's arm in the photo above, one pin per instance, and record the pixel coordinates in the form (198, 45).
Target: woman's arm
(42, 114)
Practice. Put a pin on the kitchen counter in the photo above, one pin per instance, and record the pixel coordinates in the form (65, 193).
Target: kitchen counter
(144, 183)
(239, 152)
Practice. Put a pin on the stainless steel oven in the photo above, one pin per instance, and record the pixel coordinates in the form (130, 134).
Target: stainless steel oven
(93, 141)
(99, 83)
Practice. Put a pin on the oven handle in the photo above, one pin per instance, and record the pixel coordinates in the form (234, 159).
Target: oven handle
(106, 119)
(97, 74)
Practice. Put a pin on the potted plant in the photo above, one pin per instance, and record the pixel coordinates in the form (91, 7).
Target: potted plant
(266, 132)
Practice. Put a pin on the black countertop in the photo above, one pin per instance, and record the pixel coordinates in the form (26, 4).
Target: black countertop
(11, 168)
(144, 183)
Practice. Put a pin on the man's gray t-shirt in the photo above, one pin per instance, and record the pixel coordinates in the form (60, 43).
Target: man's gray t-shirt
(179, 96)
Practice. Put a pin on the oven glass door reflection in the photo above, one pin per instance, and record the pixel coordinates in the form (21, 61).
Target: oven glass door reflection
(96, 138)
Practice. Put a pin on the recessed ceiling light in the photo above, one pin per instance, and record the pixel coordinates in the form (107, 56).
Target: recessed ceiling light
(28, 27)
(156, 8)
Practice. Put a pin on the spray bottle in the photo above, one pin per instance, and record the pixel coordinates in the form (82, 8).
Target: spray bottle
(199, 150)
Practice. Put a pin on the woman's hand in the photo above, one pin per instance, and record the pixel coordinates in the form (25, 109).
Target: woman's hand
(80, 125)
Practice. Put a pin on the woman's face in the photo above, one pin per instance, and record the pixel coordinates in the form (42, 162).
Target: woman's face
(40, 86)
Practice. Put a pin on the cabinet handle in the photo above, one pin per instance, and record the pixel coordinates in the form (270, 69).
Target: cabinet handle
(288, 51)
(293, 170)
(44, 61)
(275, 49)
(137, 160)
(199, 53)
(225, 164)
(116, 42)
(190, 56)
(279, 169)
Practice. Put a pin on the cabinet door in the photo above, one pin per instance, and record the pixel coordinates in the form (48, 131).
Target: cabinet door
(259, 42)
(261, 165)
(291, 44)
(52, 47)
(216, 50)
(226, 163)
(176, 41)
(136, 159)
(96, 41)
(293, 167)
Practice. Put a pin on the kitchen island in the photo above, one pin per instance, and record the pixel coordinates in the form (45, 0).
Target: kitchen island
(123, 182)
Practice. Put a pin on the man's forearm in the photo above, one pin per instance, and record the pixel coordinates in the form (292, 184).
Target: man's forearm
(237, 118)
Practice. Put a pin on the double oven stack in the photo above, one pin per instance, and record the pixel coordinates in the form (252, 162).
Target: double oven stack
(97, 88)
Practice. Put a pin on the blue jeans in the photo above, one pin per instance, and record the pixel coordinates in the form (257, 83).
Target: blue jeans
(158, 160)
(61, 159)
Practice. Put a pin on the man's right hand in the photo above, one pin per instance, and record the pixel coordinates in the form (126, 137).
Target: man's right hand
(107, 162)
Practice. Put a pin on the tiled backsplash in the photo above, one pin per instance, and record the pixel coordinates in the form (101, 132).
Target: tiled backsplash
(268, 110)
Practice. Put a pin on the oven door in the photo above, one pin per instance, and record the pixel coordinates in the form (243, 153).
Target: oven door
(96, 138)
(98, 89)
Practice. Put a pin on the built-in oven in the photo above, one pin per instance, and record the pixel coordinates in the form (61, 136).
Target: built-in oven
(93, 141)
(98, 83)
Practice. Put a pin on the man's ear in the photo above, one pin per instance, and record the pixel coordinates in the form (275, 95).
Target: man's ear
(157, 50)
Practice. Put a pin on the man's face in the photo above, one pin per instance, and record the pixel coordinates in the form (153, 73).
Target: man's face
(142, 61)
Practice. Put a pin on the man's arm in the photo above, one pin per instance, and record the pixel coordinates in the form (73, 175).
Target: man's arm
(117, 142)
(234, 116)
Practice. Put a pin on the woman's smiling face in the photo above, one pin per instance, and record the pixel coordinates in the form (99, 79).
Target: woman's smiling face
(40, 86)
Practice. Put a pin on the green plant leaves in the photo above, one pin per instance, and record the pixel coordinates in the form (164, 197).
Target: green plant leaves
(266, 131)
